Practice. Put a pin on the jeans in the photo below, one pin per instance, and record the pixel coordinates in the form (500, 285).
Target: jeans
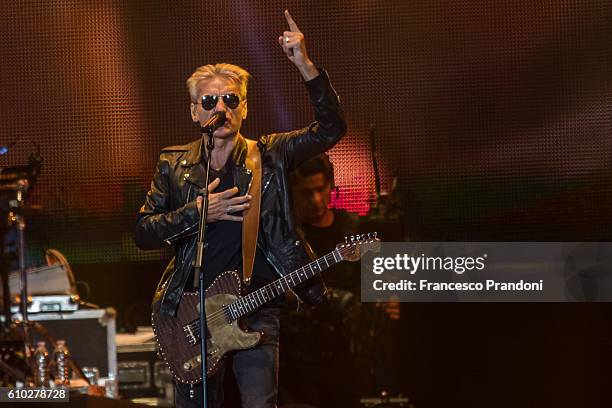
(256, 369)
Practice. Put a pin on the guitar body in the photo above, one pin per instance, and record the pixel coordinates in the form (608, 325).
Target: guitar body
(177, 338)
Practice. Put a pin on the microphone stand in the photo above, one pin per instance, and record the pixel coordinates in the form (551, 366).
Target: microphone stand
(199, 258)
(19, 180)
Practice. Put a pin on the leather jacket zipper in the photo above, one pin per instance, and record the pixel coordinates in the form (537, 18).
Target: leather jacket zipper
(183, 250)
(173, 273)
(169, 239)
(267, 184)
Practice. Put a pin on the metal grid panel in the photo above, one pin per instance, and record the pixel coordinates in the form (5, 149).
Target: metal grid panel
(496, 118)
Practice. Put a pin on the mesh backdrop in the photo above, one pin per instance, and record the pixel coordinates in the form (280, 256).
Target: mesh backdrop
(495, 118)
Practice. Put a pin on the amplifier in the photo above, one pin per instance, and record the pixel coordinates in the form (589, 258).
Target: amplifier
(89, 335)
(48, 303)
(140, 371)
(43, 280)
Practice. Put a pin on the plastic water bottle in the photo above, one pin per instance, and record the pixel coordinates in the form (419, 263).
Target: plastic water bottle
(41, 365)
(112, 386)
(61, 359)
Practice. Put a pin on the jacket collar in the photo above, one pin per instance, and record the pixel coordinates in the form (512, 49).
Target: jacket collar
(194, 153)
(196, 164)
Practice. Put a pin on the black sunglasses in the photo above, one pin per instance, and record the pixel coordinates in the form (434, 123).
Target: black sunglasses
(210, 101)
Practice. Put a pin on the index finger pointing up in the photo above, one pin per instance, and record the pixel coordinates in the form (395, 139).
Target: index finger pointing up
(292, 26)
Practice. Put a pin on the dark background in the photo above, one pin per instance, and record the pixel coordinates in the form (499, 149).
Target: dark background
(495, 117)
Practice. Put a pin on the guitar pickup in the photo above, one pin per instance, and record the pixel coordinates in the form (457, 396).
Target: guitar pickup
(191, 338)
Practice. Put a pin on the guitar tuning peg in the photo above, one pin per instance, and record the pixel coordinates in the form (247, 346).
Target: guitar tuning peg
(369, 236)
(375, 234)
(352, 238)
(345, 239)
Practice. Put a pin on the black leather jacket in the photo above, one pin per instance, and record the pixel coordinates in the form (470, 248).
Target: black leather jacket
(169, 215)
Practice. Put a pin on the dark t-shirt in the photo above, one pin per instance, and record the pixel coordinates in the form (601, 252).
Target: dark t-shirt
(224, 243)
(345, 275)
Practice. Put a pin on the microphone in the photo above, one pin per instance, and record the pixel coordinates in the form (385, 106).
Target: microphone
(215, 121)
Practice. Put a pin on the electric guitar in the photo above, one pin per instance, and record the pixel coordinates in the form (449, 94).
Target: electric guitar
(178, 338)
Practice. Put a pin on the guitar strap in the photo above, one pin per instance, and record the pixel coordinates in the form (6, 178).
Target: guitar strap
(250, 217)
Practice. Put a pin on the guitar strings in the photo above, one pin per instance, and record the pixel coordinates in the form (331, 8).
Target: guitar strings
(221, 312)
(217, 314)
(213, 317)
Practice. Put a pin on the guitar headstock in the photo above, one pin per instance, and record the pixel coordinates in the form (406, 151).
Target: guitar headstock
(354, 246)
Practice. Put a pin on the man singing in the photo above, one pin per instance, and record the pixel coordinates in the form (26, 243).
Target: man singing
(170, 213)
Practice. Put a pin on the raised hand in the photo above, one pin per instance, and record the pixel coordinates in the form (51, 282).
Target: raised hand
(294, 46)
(222, 205)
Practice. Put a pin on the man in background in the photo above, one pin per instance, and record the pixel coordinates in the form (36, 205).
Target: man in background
(358, 331)
(323, 227)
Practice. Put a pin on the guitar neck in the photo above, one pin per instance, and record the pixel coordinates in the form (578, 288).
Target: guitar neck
(253, 300)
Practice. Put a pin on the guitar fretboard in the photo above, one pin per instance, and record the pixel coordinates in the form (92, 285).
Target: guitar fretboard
(253, 300)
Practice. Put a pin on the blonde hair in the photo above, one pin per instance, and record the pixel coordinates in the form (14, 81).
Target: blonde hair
(239, 76)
